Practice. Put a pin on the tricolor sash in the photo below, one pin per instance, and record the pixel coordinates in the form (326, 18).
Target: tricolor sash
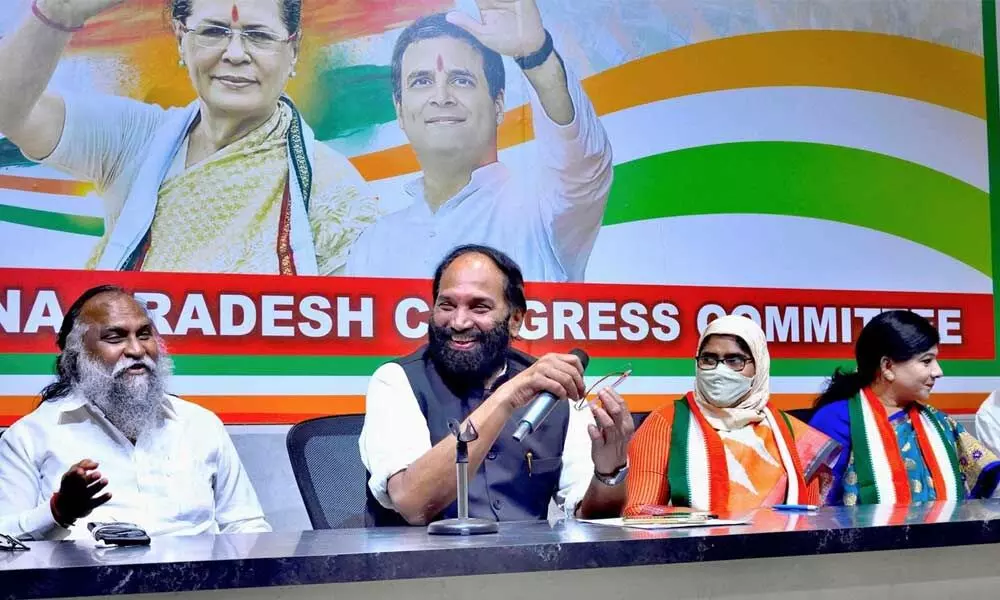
(697, 471)
(882, 477)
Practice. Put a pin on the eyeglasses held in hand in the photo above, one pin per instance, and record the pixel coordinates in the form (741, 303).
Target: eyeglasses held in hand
(11, 543)
(736, 362)
(619, 376)
(218, 37)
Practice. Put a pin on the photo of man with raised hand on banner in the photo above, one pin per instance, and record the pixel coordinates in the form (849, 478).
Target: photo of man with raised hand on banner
(234, 182)
(448, 89)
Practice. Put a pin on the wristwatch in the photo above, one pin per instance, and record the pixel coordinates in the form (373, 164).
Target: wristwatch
(614, 478)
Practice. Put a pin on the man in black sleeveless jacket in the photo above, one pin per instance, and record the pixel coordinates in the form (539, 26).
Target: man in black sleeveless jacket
(469, 372)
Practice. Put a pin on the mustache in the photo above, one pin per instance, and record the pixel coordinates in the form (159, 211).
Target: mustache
(125, 363)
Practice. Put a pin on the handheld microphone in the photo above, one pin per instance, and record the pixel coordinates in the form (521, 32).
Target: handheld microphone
(543, 404)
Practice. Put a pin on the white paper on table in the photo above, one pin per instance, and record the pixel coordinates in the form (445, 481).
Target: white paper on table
(619, 522)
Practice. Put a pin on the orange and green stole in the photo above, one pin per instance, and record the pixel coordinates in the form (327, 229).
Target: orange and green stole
(697, 470)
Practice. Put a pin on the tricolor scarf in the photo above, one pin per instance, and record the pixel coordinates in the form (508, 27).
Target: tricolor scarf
(882, 477)
(697, 471)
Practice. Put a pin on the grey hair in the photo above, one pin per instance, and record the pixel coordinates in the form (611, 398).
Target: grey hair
(70, 341)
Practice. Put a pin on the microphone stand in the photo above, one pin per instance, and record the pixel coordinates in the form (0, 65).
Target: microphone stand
(463, 525)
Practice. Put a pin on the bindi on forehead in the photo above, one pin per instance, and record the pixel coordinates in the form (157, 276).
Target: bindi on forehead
(440, 63)
(235, 14)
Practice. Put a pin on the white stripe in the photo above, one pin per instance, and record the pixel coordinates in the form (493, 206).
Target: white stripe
(793, 496)
(88, 206)
(880, 460)
(882, 514)
(939, 138)
(697, 465)
(207, 385)
(48, 249)
(39, 171)
(304, 385)
(946, 511)
(941, 456)
(828, 256)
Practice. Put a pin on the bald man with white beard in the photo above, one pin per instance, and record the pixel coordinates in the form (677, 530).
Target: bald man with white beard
(108, 443)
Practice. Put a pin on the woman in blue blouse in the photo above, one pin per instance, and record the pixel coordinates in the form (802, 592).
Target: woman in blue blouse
(897, 449)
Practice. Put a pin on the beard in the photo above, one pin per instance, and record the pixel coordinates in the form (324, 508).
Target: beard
(132, 403)
(476, 364)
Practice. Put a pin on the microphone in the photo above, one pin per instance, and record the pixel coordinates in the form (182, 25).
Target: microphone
(542, 405)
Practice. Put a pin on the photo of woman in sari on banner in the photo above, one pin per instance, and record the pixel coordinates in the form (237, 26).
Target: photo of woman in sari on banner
(235, 182)
(898, 449)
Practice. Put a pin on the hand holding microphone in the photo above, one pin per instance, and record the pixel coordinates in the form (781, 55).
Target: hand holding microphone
(553, 378)
(556, 377)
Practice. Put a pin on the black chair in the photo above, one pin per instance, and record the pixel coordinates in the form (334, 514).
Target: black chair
(328, 470)
(638, 418)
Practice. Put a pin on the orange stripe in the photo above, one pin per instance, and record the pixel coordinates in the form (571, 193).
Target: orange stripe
(874, 62)
(295, 405)
(60, 187)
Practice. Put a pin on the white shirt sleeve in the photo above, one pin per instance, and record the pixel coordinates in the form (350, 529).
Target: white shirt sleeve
(22, 515)
(237, 509)
(578, 466)
(577, 178)
(988, 424)
(395, 432)
(104, 140)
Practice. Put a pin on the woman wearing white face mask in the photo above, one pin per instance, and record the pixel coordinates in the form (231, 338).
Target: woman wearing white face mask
(721, 447)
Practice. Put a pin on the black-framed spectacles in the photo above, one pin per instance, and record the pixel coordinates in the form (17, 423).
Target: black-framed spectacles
(736, 362)
(11, 543)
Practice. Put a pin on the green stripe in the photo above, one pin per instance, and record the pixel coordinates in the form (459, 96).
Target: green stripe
(677, 460)
(993, 144)
(867, 490)
(53, 221)
(194, 364)
(819, 181)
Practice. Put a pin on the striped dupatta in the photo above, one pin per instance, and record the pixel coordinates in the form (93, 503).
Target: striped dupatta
(882, 477)
(697, 470)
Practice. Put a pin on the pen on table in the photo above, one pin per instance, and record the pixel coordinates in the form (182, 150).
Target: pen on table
(796, 507)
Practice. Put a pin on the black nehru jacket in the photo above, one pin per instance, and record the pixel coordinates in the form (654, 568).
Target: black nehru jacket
(503, 488)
